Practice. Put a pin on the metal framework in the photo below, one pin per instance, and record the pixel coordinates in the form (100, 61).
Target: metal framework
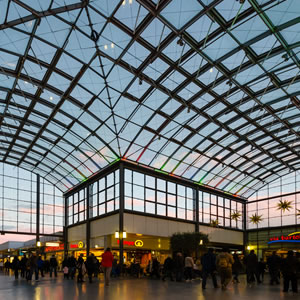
(207, 91)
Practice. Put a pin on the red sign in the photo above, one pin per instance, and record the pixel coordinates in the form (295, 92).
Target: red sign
(73, 246)
(126, 243)
(50, 249)
(292, 237)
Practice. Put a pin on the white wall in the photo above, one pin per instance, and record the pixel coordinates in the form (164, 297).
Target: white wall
(220, 235)
(77, 233)
(154, 226)
(105, 226)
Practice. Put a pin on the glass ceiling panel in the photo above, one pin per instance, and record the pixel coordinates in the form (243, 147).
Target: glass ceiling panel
(85, 86)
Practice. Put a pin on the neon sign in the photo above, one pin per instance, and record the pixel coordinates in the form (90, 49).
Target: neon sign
(78, 245)
(137, 243)
(291, 238)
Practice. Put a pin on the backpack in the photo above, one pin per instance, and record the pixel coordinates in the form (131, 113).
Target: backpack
(222, 263)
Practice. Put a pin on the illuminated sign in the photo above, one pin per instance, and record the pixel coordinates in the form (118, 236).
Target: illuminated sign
(291, 238)
(78, 245)
(51, 248)
(48, 244)
(139, 243)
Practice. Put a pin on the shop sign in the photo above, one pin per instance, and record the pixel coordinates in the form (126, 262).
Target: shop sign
(52, 248)
(78, 245)
(137, 243)
(291, 238)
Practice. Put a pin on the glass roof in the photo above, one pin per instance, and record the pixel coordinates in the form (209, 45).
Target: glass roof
(207, 90)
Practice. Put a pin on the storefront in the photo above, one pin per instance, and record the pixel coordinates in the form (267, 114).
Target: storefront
(280, 240)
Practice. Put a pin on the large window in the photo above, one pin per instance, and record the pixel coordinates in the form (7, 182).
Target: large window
(104, 198)
(18, 198)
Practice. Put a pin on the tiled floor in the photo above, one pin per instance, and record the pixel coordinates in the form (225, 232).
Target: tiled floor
(131, 289)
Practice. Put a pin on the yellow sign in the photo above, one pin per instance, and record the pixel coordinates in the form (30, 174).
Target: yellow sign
(139, 243)
(80, 245)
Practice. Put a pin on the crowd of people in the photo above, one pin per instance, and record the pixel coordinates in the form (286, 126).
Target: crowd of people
(181, 267)
(228, 267)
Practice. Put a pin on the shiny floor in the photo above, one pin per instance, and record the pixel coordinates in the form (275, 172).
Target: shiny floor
(131, 289)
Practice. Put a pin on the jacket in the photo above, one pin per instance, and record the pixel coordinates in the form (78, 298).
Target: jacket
(107, 259)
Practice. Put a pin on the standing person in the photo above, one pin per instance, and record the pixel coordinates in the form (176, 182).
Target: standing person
(262, 266)
(274, 262)
(106, 264)
(289, 272)
(23, 263)
(33, 267)
(81, 268)
(251, 263)
(16, 266)
(189, 265)
(209, 267)
(90, 266)
(40, 265)
(168, 268)
(53, 266)
(236, 268)
(179, 266)
(72, 266)
(224, 265)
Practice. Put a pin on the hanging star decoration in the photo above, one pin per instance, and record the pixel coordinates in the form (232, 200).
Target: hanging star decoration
(214, 223)
(284, 205)
(235, 216)
(255, 219)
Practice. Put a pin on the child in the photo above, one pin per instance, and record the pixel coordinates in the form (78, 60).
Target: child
(66, 272)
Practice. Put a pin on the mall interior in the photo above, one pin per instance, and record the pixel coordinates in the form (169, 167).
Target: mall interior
(123, 122)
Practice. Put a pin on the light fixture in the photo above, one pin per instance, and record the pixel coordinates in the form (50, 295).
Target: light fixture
(105, 47)
(96, 246)
(140, 81)
(211, 70)
(112, 45)
(124, 3)
(26, 82)
(138, 234)
(248, 247)
(51, 98)
(52, 244)
(201, 242)
(130, 1)
(180, 42)
(118, 235)
(38, 244)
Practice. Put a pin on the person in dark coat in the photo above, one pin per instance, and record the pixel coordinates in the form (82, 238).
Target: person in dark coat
(53, 266)
(72, 266)
(236, 268)
(251, 263)
(179, 266)
(274, 262)
(168, 268)
(40, 265)
(80, 267)
(16, 266)
(289, 272)
(262, 266)
(209, 267)
(23, 263)
(90, 266)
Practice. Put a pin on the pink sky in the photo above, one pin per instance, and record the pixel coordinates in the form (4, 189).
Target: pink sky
(15, 237)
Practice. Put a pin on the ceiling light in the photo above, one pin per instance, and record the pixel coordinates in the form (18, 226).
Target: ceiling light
(105, 47)
(26, 82)
(112, 45)
(124, 3)
(211, 70)
(51, 98)
(130, 1)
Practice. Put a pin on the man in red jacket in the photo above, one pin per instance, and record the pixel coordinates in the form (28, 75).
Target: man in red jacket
(107, 261)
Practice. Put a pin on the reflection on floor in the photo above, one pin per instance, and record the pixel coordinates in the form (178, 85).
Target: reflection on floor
(131, 289)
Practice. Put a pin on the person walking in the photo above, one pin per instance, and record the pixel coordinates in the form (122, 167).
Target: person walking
(209, 267)
(107, 261)
(179, 266)
(168, 269)
(53, 265)
(289, 272)
(33, 267)
(81, 268)
(72, 263)
(262, 266)
(251, 263)
(90, 267)
(40, 265)
(23, 263)
(274, 262)
(16, 266)
(236, 268)
(224, 265)
(189, 265)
